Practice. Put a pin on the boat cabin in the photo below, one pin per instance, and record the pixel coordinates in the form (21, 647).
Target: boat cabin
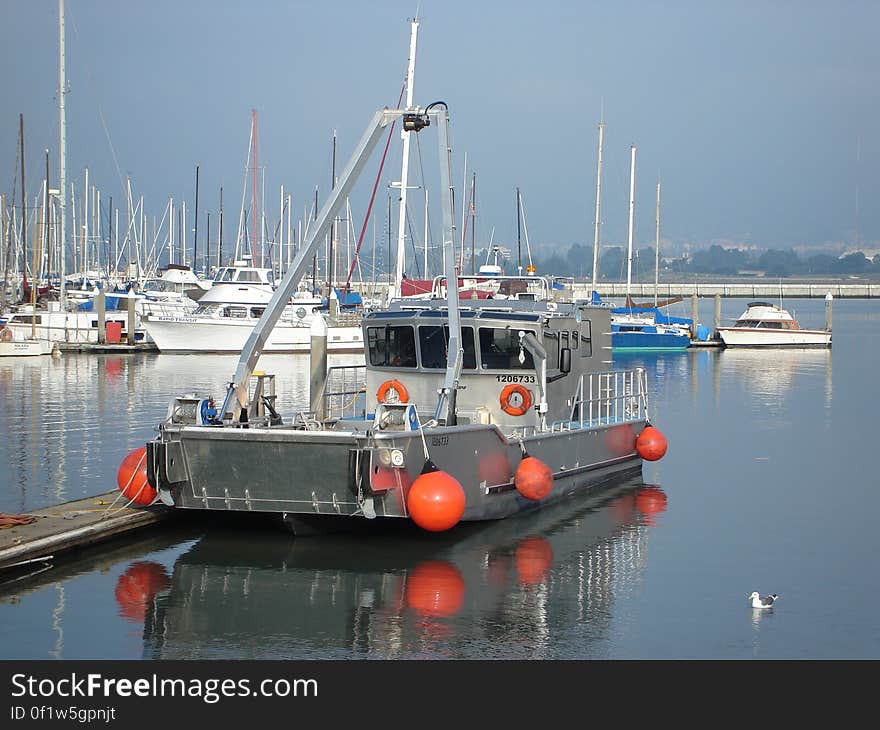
(521, 362)
(764, 315)
(244, 275)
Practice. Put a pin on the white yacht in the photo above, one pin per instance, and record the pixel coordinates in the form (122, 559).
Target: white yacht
(766, 325)
(228, 311)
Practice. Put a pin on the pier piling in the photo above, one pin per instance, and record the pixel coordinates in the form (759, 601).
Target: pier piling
(101, 306)
(318, 367)
(131, 320)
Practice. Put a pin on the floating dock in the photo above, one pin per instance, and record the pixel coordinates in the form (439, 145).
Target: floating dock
(71, 525)
(118, 348)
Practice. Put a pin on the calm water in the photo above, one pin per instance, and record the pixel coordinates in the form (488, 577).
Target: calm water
(769, 484)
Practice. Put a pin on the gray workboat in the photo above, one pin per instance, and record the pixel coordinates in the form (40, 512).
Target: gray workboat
(465, 409)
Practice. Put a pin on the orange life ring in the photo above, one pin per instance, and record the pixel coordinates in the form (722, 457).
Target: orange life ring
(397, 386)
(525, 396)
(5, 335)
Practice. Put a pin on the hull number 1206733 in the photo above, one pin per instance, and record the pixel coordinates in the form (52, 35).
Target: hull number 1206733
(515, 378)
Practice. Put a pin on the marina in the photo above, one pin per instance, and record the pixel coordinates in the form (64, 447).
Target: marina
(597, 576)
(355, 410)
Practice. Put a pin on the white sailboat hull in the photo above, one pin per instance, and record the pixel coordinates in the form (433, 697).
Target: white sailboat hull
(69, 327)
(25, 348)
(189, 334)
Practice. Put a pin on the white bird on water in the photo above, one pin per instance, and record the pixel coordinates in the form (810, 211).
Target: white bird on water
(759, 601)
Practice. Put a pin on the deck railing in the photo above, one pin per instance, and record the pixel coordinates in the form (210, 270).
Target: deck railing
(345, 391)
(617, 396)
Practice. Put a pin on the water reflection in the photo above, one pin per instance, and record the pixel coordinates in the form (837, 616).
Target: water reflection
(772, 373)
(498, 590)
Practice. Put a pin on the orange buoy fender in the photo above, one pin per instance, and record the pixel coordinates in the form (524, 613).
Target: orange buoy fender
(132, 478)
(392, 385)
(533, 478)
(436, 500)
(515, 399)
(651, 444)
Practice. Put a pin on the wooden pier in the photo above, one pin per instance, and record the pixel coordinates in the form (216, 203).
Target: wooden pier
(72, 525)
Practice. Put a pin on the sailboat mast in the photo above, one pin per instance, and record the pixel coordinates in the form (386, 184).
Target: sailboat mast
(23, 206)
(254, 204)
(196, 231)
(62, 145)
(657, 247)
(598, 221)
(220, 232)
(331, 261)
(404, 167)
(632, 203)
(473, 222)
(518, 236)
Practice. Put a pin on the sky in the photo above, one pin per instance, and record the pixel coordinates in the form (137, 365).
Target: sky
(756, 117)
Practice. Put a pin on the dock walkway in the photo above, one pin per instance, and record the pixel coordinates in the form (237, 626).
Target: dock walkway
(71, 525)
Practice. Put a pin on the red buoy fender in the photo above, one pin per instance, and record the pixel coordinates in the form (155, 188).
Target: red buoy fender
(533, 478)
(651, 444)
(131, 477)
(436, 500)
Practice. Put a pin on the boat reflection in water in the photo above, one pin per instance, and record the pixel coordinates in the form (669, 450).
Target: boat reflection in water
(508, 589)
(773, 373)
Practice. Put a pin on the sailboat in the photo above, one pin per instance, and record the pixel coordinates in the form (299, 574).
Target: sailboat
(639, 328)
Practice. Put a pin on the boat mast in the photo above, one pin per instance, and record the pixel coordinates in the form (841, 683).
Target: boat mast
(254, 204)
(632, 192)
(404, 167)
(220, 232)
(598, 221)
(196, 231)
(23, 206)
(473, 212)
(518, 237)
(657, 247)
(62, 145)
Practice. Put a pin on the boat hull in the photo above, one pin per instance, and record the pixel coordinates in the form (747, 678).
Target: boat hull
(649, 341)
(25, 348)
(188, 334)
(348, 473)
(756, 337)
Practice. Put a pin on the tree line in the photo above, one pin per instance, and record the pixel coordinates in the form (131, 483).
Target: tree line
(715, 261)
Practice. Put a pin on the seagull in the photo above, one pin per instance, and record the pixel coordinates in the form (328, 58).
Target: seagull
(759, 601)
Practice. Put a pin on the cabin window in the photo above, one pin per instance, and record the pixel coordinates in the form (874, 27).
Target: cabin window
(574, 340)
(432, 344)
(248, 276)
(224, 275)
(551, 344)
(257, 312)
(205, 310)
(586, 345)
(392, 346)
(235, 312)
(27, 318)
(500, 350)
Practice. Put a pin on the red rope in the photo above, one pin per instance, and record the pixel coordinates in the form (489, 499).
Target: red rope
(372, 198)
